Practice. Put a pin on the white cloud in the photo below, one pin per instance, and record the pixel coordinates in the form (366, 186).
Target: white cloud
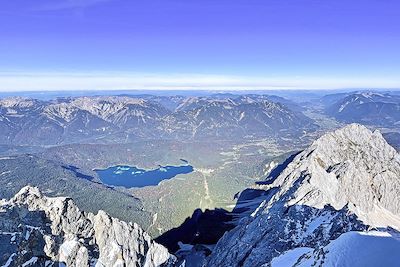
(110, 81)
(67, 4)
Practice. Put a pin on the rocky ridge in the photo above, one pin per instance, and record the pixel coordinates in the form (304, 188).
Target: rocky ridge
(347, 180)
(40, 231)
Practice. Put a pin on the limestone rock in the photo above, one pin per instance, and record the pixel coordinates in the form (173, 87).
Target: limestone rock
(35, 229)
(347, 180)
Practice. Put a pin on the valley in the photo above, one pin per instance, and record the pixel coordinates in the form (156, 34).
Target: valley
(220, 170)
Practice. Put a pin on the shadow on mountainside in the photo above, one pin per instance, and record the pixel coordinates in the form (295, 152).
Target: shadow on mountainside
(278, 170)
(207, 227)
(78, 173)
(201, 228)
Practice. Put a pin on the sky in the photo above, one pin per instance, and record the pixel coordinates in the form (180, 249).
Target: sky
(200, 44)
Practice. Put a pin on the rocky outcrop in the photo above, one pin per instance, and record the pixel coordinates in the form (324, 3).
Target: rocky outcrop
(41, 231)
(348, 180)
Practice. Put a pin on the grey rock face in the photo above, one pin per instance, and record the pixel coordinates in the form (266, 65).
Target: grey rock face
(35, 229)
(348, 180)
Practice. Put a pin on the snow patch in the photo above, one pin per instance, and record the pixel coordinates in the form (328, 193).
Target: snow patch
(30, 262)
(289, 258)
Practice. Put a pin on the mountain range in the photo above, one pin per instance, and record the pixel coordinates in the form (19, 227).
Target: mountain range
(105, 119)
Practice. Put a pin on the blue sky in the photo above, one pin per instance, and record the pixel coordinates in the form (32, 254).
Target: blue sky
(237, 44)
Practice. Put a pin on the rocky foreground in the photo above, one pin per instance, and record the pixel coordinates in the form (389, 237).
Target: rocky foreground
(40, 231)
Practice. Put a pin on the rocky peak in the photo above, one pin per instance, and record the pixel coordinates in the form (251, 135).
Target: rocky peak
(347, 180)
(350, 166)
(353, 136)
(47, 230)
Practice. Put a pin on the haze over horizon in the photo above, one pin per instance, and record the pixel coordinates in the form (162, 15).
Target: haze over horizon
(115, 44)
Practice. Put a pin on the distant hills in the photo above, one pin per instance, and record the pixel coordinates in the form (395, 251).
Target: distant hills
(366, 107)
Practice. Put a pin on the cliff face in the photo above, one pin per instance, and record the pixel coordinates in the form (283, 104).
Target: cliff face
(41, 231)
(348, 180)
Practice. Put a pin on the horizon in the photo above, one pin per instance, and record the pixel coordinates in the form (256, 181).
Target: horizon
(238, 91)
(196, 93)
(225, 45)
(19, 82)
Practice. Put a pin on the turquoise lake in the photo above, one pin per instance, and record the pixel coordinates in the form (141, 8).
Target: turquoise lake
(129, 176)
